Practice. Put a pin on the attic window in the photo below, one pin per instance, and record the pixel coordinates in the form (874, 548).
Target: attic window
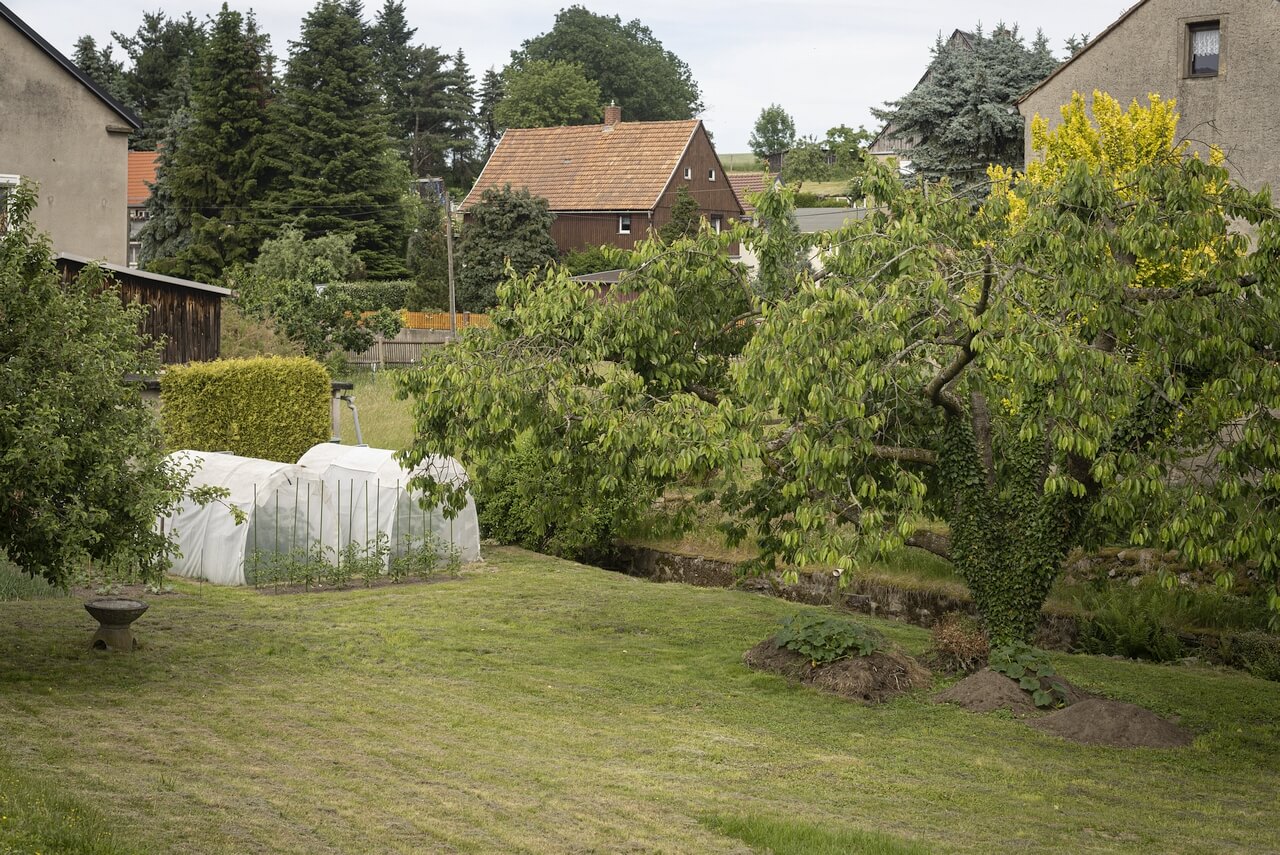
(624, 224)
(688, 173)
(1205, 41)
(711, 175)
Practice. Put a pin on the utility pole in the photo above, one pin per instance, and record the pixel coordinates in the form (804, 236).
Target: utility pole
(448, 236)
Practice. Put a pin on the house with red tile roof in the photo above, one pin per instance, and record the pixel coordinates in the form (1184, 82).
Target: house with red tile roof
(748, 184)
(612, 183)
(142, 174)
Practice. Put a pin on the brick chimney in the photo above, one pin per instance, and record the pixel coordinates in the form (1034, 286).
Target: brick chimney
(612, 114)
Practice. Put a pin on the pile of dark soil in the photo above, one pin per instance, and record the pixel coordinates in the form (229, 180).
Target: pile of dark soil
(987, 690)
(1099, 721)
(870, 679)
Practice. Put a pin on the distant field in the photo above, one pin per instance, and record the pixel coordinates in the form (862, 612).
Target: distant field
(744, 162)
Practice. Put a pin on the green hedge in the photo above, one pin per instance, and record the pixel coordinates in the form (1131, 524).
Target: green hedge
(270, 407)
(371, 296)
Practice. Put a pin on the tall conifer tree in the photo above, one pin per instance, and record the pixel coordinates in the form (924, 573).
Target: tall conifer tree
(491, 92)
(214, 174)
(336, 168)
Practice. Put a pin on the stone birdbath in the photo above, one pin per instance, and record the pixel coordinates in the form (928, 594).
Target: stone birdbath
(114, 616)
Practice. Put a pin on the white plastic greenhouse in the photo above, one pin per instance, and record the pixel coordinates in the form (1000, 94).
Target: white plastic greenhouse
(369, 492)
(334, 496)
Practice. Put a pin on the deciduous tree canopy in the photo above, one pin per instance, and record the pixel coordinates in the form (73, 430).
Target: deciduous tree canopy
(541, 94)
(626, 60)
(84, 476)
(1092, 356)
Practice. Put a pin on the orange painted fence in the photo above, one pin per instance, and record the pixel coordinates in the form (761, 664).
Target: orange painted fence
(440, 320)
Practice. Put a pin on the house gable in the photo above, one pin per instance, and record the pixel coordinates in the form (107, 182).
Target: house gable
(1147, 50)
(68, 137)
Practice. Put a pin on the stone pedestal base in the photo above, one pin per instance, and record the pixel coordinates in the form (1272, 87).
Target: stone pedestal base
(118, 638)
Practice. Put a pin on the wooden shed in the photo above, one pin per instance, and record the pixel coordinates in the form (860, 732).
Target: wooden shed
(186, 315)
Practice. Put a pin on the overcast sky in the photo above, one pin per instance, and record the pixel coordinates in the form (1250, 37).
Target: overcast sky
(827, 62)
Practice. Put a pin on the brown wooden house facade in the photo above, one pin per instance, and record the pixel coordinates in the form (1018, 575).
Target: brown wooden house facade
(185, 315)
(613, 183)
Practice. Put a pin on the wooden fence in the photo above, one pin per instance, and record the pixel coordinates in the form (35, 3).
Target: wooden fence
(392, 353)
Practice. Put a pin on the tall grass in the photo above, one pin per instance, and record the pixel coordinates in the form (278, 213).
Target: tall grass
(385, 420)
(16, 585)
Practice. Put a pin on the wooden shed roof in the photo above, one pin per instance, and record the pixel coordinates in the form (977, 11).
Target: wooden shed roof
(620, 167)
(78, 261)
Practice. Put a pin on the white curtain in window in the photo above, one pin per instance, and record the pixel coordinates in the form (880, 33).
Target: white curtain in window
(1204, 42)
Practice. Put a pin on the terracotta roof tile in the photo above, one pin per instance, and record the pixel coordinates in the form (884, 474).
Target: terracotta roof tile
(749, 183)
(142, 171)
(622, 167)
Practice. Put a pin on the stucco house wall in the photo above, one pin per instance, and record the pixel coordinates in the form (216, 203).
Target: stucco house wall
(1147, 51)
(62, 135)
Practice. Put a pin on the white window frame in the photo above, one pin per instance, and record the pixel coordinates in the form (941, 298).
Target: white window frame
(624, 224)
(711, 175)
(717, 222)
(7, 181)
(688, 173)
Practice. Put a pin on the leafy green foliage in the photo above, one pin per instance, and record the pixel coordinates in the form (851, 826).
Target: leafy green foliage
(963, 112)
(271, 407)
(523, 498)
(627, 61)
(333, 168)
(319, 320)
(1256, 652)
(686, 217)
(774, 132)
(823, 639)
(292, 255)
(1038, 375)
(1138, 623)
(1031, 669)
(505, 229)
(595, 259)
(428, 259)
(491, 94)
(543, 94)
(371, 296)
(84, 475)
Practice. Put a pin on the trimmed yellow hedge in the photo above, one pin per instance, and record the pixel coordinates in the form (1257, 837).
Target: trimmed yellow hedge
(270, 407)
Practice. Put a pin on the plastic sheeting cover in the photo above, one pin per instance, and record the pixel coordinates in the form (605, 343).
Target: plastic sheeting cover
(366, 491)
(212, 545)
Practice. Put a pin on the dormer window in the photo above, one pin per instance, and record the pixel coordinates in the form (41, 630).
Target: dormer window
(1205, 41)
(624, 224)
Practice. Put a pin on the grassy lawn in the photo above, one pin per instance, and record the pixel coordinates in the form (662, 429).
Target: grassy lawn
(385, 421)
(542, 706)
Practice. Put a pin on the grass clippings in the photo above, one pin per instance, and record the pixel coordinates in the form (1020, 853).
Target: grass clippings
(869, 679)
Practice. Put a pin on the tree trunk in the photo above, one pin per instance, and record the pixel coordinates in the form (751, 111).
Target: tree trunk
(1008, 538)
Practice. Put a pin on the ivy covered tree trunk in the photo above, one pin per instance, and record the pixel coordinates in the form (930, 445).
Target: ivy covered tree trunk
(1008, 538)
